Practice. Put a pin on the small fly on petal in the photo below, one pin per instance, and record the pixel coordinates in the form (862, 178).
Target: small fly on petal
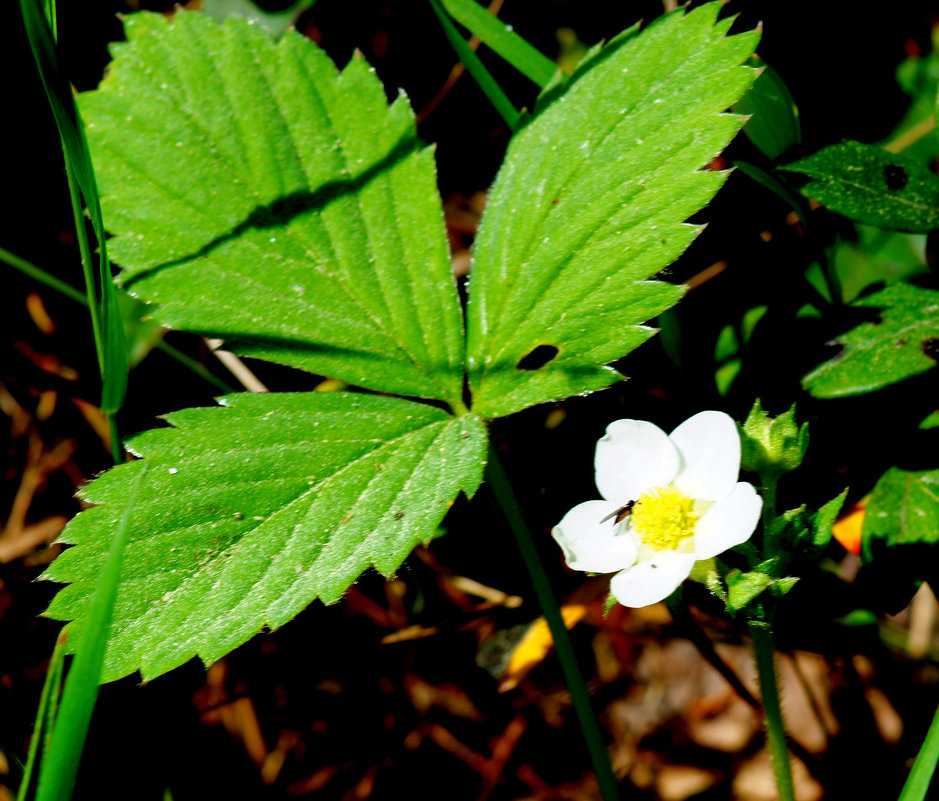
(620, 514)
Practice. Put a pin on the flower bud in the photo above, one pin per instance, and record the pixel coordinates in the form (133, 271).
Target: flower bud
(772, 445)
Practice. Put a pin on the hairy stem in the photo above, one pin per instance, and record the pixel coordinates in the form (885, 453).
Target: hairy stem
(552, 612)
(762, 633)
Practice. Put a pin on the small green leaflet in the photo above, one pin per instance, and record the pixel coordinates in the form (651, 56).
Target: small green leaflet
(252, 510)
(591, 201)
(903, 343)
(903, 510)
(266, 199)
(870, 185)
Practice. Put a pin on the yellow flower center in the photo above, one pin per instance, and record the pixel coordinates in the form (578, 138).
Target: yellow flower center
(664, 518)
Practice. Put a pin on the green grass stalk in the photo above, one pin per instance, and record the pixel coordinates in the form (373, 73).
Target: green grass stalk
(45, 715)
(471, 61)
(501, 39)
(580, 695)
(917, 783)
(59, 765)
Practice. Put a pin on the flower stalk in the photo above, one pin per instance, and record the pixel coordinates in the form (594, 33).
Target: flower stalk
(762, 633)
(580, 695)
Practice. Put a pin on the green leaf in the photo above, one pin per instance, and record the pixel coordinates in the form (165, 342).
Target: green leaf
(591, 201)
(824, 519)
(931, 421)
(903, 510)
(742, 588)
(264, 198)
(870, 185)
(916, 133)
(903, 343)
(252, 510)
(275, 22)
(878, 256)
(502, 39)
(774, 119)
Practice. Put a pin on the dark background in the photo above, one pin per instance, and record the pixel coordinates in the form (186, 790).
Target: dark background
(325, 680)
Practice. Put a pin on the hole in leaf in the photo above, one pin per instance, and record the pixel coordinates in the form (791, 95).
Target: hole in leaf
(896, 177)
(538, 358)
(931, 348)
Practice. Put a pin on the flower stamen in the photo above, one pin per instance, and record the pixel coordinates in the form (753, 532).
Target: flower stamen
(664, 517)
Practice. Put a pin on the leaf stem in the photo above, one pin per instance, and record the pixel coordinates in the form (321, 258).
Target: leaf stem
(762, 633)
(580, 695)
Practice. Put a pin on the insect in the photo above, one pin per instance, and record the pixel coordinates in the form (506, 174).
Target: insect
(620, 514)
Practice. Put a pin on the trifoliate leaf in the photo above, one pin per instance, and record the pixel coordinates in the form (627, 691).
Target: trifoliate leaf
(873, 186)
(903, 343)
(252, 510)
(264, 198)
(591, 201)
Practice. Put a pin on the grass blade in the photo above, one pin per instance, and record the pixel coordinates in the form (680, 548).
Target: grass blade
(45, 714)
(917, 783)
(60, 760)
(39, 19)
(471, 61)
(502, 40)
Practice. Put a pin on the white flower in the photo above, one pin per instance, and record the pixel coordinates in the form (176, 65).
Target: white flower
(669, 500)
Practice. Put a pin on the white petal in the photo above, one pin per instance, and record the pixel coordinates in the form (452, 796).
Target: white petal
(632, 457)
(728, 522)
(591, 545)
(652, 580)
(710, 455)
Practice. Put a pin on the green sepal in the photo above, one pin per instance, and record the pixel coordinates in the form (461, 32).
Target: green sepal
(608, 605)
(705, 572)
(781, 586)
